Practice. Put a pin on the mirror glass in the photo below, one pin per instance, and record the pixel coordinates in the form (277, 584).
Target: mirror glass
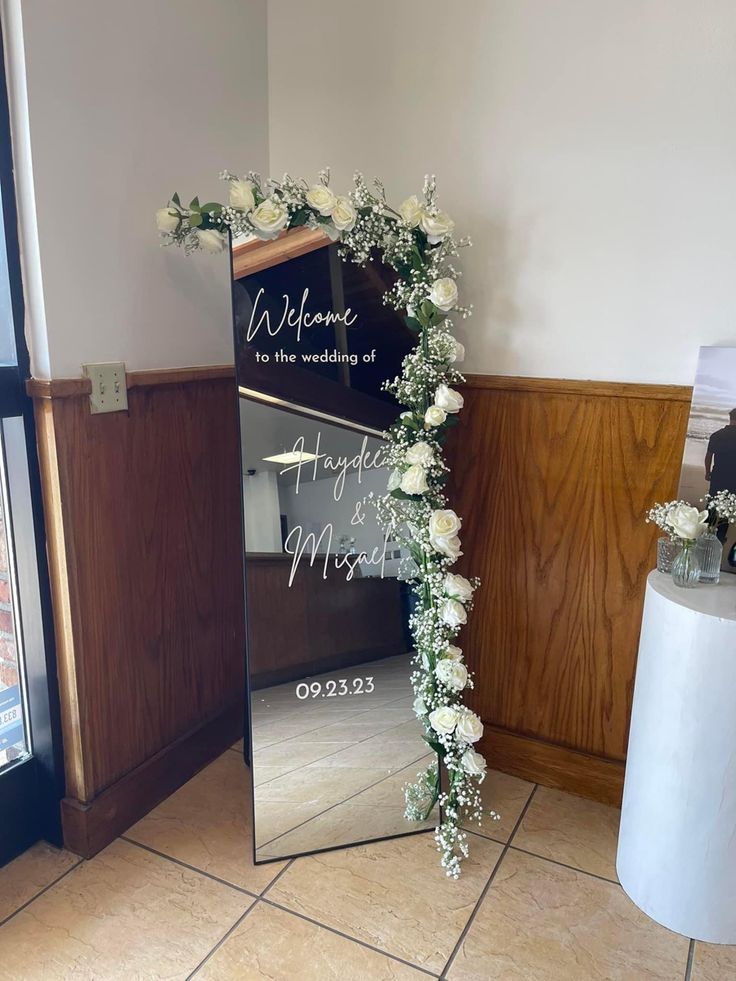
(332, 737)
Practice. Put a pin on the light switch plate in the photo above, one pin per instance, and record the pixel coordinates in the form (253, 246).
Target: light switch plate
(109, 388)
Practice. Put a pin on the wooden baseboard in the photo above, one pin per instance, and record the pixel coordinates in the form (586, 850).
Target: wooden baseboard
(554, 766)
(88, 828)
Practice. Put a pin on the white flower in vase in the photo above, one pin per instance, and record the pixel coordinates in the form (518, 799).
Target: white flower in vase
(411, 212)
(270, 217)
(687, 522)
(241, 195)
(436, 226)
(444, 293)
(322, 199)
(414, 480)
(448, 399)
(451, 673)
(344, 215)
(473, 763)
(167, 221)
(469, 727)
(458, 587)
(452, 613)
(421, 453)
(210, 241)
(434, 416)
(444, 719)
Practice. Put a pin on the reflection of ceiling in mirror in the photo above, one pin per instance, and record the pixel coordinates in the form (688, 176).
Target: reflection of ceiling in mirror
(266, 431)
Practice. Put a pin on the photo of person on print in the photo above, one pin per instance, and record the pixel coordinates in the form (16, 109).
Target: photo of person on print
(709, 462)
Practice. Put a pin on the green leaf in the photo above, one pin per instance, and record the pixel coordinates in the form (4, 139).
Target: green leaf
(413, 324)
(194, 204)
(211, 208)
(176, 200)
(401, 496)
(433, 744)
(300, 217)
(451, 421)
(195, 219)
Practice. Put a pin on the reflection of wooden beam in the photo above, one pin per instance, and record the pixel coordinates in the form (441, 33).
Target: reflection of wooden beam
(252, 257)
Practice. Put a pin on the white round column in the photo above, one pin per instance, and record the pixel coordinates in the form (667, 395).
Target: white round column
(677, 843)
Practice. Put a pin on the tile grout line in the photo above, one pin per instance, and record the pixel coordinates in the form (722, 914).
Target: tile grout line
(489, 883)
(690, 958)
(190, 868)
(278, 875)
(222, 940)
(564, 865)
(344, 801)
(41, 892)
(346, 936)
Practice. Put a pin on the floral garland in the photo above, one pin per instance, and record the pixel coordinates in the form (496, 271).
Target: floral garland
(417, 242)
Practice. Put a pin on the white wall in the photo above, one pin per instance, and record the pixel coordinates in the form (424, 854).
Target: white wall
(262, 512)
(128, 102)
(588, 146)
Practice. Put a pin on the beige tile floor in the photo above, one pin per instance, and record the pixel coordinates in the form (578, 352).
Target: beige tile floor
(179, 897)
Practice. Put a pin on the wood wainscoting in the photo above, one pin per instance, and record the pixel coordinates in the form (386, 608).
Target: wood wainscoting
(144, 540)
(552, 480)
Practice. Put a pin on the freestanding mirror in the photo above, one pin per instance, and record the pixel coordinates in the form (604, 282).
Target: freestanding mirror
(332, 736)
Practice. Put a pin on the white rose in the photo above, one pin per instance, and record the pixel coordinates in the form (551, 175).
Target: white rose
(448, 399)
(444, 293)
(443, 720)
(434, 416)
(469, 726)
(437, 226)
(453, 653)
(420, 452)
(241, 195)
(414, 480)
(166, 221)
(321, 199)
(452, 673)
(458, 587)
(687, 522)
(444, 523)
(447, 546)
(473, 763)
(210, 240)
(344, 215)
(411, 211)
(270, 217)
(452, 613)
(457, 351)
(419, 707)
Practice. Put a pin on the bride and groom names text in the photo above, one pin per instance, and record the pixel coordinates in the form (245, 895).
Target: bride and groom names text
(320, 546)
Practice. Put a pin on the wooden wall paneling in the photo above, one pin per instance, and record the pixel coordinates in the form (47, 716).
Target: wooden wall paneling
(145, 517)
(552, 480)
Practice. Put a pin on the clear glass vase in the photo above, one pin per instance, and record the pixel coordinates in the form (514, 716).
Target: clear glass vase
(686, 567)
(709, 551)
(667, 551)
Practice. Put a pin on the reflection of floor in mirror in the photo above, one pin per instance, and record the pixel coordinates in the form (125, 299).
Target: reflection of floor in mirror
(316, 758)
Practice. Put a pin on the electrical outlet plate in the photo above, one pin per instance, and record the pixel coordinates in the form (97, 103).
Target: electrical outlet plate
(109, 388)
